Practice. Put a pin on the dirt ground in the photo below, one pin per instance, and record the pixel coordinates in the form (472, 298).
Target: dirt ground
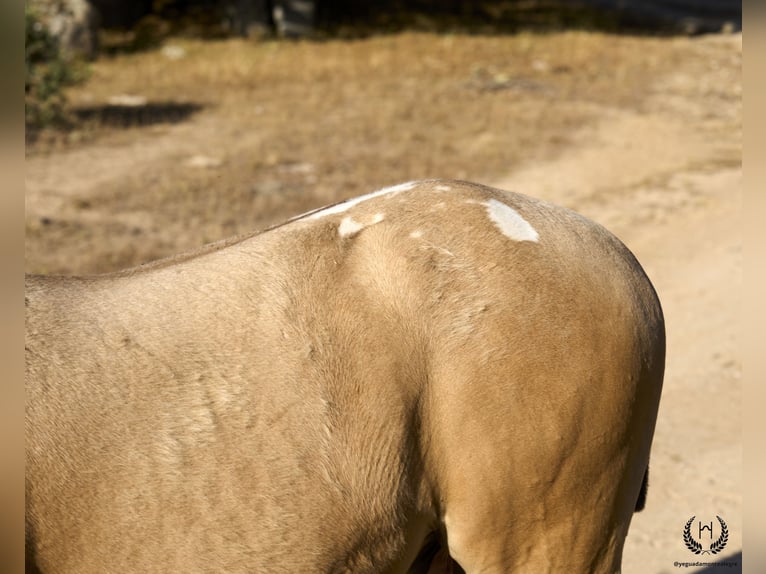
(196, 141)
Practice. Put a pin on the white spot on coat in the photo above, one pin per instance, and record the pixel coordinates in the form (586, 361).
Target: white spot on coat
(349, 226)
(346, 205)
(510, 223)
(417, 234)
(443, 188)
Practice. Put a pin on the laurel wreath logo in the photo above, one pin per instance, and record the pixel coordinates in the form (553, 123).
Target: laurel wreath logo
(691, 544)
(720, 544)
(715, 547)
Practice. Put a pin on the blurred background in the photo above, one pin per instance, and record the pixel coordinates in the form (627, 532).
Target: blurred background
(156, 126)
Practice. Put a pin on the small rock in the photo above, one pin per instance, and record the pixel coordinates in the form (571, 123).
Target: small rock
(203, 162)
(127, 100)
(298, 168)
(173, 52)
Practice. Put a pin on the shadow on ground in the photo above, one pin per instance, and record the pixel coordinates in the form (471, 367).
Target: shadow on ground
(125, 116)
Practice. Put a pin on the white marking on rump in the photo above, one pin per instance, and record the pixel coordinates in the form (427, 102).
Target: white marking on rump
(377, 218)
(346, 205)
(417, 234)
(510, 223)
(349, 226)
(406, 186)
(442, 188)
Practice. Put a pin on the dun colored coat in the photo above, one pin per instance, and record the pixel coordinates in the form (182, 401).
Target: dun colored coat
(437, 366)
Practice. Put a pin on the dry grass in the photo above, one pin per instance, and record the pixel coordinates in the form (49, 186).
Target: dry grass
(299, 124)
